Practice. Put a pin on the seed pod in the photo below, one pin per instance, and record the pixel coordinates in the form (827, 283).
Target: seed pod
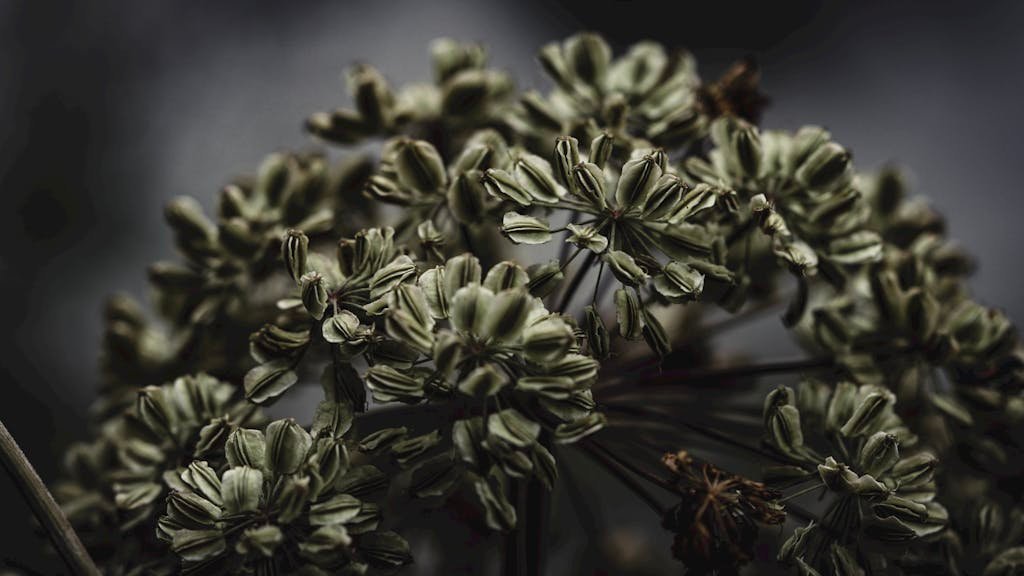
(371, 96)
(587, 56)
(587, 237)
(796, 544)
(601, 149)
(386, 550)
(625, 268)
(407, 450)
(314, 294)
(785, 431)
(466, 196)
(679, 282)
(290, 498)
(212, 437)
(389, 385)
(654, 334)
(503, 186)
(156, 412)
(539, 112)
(525, 229)
(636, 182)
(505, 276)
(338, 509)
(572, 432)
(419, 165)
(915, 470)
(260, 541)
(269, 380)
(191, 509)
(567, 156)
(459, 271)
(391, 276)
(597, 334)
(246, 447)
(868, 415)
(547, 341)
(198, 545)
(545, 278)
(535, 176)
(483, 382)
(287, 445)
(589, 184)
(242, 489)
(879, 453)
(627, 313)
(202, 479)
(827, 168)
(294, 249)
(340, 126)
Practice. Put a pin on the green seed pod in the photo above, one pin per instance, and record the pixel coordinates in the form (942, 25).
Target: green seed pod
(525, 229)
(589, 184)
(326, 545)
(785, 431)
(655, 336)
(448, 352)
(624, 268)
(466, 196)
(679, 282)
(597, 334)
(503, 186)
(601, 149)
(587, 57)
(260, 541)
(287, 446)
(407, 450)
(419, 165)
(212, 437)
(462, 270)
(636, 182)
(567, 156)
(194, 233)
(627, 314)
(385, 549)
(868, 415)
(314, 294)
(915, 470)
(879, 453)
(192, 510)
(587, 237)
(389, 385)
(269, 380)
(539, 112)
(796, 544)
(545, 278)
(547, 341)
(391, 276)
(843, 561)
(338, 509)
(198, 545)
(290, 498)
(294, 250)
(340, 126)
(371, 95)
(901, 509)
(483, 382)
(242, 490)
(507, 315)
(535, 176)
(382, 439)
(203, 480)
(156, 412)
(572, 432)
(246, 447)
(827, 168)
(505, 276)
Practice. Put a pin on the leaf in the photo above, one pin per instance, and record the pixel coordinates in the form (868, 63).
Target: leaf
(525, 229)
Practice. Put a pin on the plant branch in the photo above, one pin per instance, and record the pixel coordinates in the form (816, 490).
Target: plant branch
(46, 510)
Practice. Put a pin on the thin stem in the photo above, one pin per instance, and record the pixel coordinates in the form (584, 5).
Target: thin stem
(46, 510)
(623, 476)
(581, 272)
(703, 376)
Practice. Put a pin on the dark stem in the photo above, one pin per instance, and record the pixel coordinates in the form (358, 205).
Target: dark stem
(46, 510)
(574, 284)
(622, 475)
(704, 376)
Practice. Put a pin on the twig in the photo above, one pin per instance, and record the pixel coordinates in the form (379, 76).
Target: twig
(46, 510)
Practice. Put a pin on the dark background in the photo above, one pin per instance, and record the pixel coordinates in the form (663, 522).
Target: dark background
(109, 109)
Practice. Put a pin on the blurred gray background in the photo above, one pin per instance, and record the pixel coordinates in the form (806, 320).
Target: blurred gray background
(108, 109)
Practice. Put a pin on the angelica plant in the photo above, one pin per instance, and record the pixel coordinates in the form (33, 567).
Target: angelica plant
(513, 277)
